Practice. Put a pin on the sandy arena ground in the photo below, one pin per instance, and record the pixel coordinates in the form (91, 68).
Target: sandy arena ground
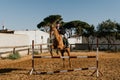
(109, 65)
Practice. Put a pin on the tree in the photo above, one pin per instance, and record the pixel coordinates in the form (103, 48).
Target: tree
(88, 31)
(118, 31)
(80, 28)
(107, 30)
(43, 27)
(76, 26)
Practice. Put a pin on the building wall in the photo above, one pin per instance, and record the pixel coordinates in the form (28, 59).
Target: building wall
(22, 38)
(75, 40)
(13, 40)
(39, 37)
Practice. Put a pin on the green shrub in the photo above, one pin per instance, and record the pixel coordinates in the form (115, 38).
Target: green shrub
(36, 52)
(14, 56)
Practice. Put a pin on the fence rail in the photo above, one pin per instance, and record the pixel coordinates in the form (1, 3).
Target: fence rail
(102, 47)
(13, 49)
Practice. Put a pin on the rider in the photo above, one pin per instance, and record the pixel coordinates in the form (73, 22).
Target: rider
(62, 32)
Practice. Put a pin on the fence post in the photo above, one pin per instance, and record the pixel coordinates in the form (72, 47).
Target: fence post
(41, 48)
(33, 69)
(14, 50)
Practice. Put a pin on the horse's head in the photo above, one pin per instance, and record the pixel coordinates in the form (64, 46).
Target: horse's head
(54, 31)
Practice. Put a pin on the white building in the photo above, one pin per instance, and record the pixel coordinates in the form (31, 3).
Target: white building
(22, 38)
(38, 36)
(7, 40)
(74, 40)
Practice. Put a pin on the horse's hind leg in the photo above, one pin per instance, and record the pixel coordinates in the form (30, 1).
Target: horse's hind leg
(62, 54)
(68, 52)
(69, 63)
(51, 52)
(57, 51)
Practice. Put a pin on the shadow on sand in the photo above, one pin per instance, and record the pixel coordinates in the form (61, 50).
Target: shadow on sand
(7, 70)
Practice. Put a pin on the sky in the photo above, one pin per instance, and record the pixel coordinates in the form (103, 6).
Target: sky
(26, 14)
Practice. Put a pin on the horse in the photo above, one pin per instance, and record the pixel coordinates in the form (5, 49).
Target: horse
(58, 44)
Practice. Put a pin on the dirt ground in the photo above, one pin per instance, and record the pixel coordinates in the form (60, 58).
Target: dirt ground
(109, 66)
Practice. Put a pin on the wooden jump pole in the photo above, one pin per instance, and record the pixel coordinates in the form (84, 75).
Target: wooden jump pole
(97, 59)
(33, 69)
(64, 56)
(97, 71)
(69, 70)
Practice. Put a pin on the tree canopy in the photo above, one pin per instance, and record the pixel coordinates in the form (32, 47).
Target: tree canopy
(105, 29)
(49, 21)
(80, 27)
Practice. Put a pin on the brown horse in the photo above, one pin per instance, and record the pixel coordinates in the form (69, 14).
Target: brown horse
(58, 44)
